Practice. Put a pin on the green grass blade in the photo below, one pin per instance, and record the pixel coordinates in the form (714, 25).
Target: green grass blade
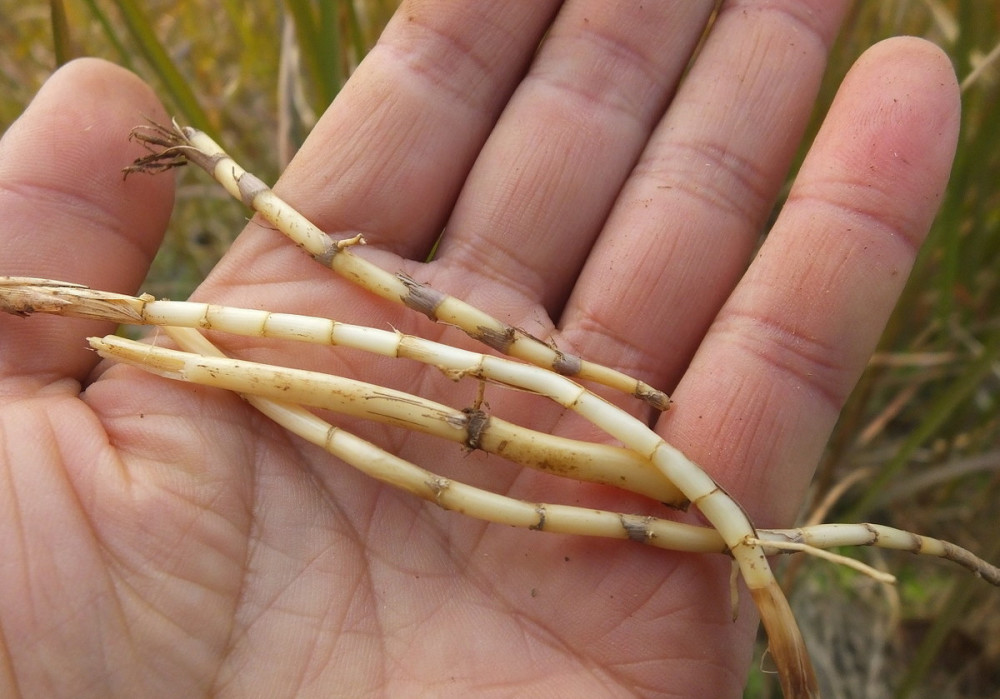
(331, 78)
(937, 415)
(359, 45)
(176, 86)
(320, 46)
(124, 55)
(62, 42)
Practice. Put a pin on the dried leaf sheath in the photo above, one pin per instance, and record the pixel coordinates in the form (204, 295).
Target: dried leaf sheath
(722, 511)
(260, 381)
(180, 143)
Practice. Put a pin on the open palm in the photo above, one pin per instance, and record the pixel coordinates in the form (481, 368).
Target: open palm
(163, 540)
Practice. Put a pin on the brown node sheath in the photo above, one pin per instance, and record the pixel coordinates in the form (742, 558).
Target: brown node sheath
(788, 649)
(420, 297)
(636, 528)
(499, 339)
(250, 186)
(476, 422)
(566, 364)
(540, 524)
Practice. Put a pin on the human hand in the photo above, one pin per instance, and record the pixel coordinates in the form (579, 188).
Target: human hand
(168, 540)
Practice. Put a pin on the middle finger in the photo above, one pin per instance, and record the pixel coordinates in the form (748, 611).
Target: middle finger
(555, 162)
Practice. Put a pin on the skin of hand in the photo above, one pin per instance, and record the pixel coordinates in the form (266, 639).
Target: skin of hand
(165, 540)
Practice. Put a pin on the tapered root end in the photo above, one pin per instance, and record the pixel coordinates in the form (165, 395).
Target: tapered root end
(165, 145)
(657, 399)
(787, 648)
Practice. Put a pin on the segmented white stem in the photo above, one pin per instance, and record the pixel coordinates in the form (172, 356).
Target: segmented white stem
(597, 463)
(197, 147)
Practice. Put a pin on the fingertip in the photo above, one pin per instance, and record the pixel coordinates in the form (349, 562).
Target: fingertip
(909, 66)
(894, 125)
(909, 52)
(72, 142)
(68, 213)
(914, 68)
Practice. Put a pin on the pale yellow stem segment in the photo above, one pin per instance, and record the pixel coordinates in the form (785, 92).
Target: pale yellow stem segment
(826, 536)
(566, 519)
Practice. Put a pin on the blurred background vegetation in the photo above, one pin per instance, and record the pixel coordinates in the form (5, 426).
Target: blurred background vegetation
(918, 446)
